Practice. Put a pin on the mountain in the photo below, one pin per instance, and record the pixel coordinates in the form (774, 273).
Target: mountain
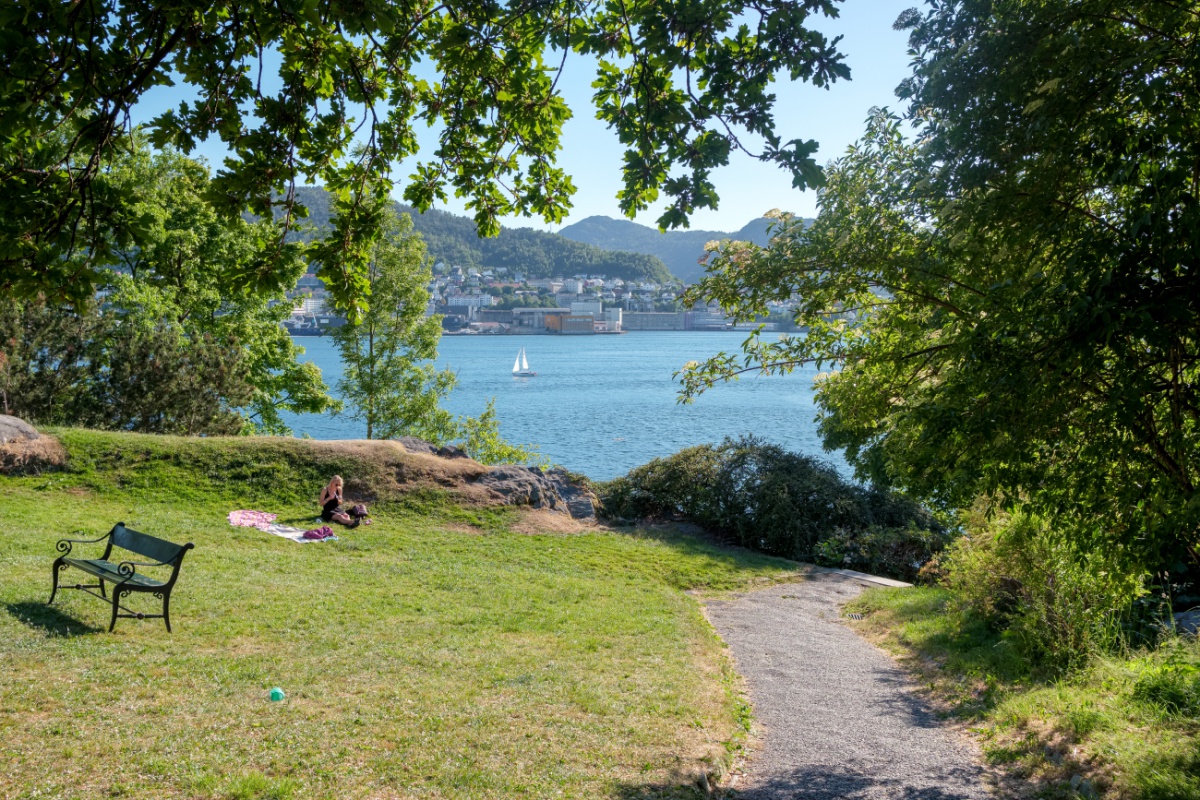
(679, 250)
(453, 239)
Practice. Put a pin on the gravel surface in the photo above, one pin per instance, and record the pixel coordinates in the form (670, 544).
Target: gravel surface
(837, 717)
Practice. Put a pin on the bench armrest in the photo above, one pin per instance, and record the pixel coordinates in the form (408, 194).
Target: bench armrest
(64, 545)
(129, 568)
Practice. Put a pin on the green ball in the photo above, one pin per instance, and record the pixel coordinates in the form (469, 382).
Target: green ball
(277, 695)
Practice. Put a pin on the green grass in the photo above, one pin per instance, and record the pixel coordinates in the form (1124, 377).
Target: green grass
(435, 653)
(1126, 727)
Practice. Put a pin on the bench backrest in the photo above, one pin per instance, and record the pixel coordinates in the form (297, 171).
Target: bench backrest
(145, 545)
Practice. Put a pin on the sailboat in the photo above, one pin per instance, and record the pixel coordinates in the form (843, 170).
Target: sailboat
(521, 366)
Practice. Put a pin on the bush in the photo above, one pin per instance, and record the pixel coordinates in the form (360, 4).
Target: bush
(1169, 679)
(780, 503)
(881, 550)
(1059, 603)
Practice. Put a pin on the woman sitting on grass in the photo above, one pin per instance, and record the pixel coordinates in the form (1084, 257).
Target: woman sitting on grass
(331, 504)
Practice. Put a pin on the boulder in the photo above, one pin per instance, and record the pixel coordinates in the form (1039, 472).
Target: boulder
(414, 445)
(14, 429)
(1188, 621)
(24, 451)
(530, 486)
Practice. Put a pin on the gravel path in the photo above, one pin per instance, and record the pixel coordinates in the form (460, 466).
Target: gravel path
(839, 719)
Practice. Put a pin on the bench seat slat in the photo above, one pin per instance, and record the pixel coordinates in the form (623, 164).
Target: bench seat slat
(109, 572)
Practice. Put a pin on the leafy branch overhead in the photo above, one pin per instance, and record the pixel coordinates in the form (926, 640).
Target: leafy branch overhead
(1012, 295)
(332, 92)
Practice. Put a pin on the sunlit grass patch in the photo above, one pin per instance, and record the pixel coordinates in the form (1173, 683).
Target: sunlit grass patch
(1123, 728)
(418, 660)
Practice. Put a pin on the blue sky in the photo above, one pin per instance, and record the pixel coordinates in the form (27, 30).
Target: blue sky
(876, 54)
(878, 59)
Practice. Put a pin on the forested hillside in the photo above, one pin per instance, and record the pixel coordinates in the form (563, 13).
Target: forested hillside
(681, 251)
(453, 239)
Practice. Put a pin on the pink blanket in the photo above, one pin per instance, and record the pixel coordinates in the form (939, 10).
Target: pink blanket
(251, 519)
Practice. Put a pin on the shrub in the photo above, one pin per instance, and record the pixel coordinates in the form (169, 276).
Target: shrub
(1058, 602)
(1172, 684)
(882, 550)
(781, 503)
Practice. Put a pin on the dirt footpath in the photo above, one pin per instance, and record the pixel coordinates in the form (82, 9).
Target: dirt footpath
(837, 717)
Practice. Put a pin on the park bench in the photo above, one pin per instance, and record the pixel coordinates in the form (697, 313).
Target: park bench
(123, 575)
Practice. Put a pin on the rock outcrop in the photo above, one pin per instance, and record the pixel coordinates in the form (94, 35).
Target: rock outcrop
(516, 485)
(529, 486)
(23, 450)
(414, 445)
(14, 429)
(1188, 621)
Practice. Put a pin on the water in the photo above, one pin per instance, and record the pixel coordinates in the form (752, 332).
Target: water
(601, 405)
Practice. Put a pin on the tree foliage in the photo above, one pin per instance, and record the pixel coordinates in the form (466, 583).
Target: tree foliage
(1012, 295)
(679, 84)
(388, 378)
(174, 344)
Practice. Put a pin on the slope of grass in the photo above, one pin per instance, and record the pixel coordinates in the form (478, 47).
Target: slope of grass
(435, 653)
(1123, 728)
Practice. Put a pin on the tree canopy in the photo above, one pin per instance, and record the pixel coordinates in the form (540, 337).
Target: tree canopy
(1012, 295)
(172, 343)
(681, 84)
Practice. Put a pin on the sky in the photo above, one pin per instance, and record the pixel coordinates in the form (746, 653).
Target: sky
(878, 60)
(591, 155)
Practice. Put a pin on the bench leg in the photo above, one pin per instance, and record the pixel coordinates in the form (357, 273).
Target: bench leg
(167, 610)
(58, 563)
(116, 604)
(102, 592)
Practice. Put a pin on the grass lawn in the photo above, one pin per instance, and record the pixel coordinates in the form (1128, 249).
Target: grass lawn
(436, 653)
(1125, 728)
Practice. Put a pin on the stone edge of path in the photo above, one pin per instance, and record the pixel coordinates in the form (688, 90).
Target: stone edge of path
(862, 577)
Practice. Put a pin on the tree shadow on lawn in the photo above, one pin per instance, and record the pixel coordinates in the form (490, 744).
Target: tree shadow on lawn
(49, 619)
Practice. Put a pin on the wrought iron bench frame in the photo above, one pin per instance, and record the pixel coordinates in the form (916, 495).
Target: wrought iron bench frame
(124, 575)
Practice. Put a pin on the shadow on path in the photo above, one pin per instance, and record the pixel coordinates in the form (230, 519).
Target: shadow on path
(825, 782)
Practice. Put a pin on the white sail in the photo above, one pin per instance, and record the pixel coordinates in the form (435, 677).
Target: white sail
(524, 363)
(517, 363)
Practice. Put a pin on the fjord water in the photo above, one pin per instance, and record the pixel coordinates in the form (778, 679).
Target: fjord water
(602, 404)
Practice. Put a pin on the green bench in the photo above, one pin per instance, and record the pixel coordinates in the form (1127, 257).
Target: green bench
(123, 575)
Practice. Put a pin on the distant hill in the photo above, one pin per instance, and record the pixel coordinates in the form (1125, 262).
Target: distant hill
(452, 239)
(679, 250)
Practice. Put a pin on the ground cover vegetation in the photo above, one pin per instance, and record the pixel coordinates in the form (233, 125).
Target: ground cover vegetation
(1122, 724)
(443, 651)
(332, 93)
(1006, 300)
(773, 501)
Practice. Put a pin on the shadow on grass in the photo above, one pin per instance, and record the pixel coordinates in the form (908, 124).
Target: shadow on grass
(49, 619)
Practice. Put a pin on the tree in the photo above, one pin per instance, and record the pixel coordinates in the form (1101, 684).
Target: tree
(186, 274)
(1012, 296)
(680, 84)
(101, 369)
(388, 377)
(174, 344)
